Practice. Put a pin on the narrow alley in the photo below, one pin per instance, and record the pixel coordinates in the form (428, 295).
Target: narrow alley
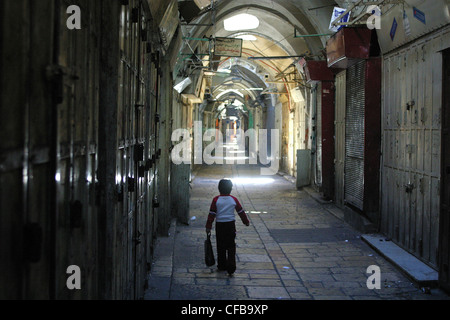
(295, 248)
(118, 118)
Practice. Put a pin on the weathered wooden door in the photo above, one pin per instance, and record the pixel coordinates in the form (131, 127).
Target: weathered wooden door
(412, 138)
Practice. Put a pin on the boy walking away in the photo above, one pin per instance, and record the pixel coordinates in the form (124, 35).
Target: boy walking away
(222, 209)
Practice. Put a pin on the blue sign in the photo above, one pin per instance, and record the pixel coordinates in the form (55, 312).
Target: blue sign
(336, 13)
(419, 15)
(394, 29)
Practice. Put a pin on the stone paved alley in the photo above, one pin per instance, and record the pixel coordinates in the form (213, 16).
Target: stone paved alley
(295, 248)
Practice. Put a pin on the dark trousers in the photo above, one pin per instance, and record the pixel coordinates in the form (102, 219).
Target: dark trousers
(226, 246)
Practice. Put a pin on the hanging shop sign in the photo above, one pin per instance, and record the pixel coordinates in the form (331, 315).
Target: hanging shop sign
(402, 24)
(419, 15)
(228, 47)
(393, 29)
(337, 12)
(348, 46)
(232, 112)
(196, 91)
(406, 25)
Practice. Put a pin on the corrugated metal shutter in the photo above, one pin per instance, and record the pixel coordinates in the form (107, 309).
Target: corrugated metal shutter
(354, 136)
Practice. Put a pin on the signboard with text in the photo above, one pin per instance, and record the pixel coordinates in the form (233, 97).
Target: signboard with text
(228, 47)
(337, 12)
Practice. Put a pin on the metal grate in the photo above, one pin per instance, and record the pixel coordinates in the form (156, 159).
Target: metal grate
(354, 136)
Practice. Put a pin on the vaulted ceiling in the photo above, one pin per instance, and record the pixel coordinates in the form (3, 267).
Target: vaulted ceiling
(288, 30)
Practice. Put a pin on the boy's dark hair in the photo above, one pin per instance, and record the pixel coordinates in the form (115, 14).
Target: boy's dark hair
(225, 186)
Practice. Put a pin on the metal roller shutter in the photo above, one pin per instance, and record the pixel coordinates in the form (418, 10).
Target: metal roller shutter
(354, 136)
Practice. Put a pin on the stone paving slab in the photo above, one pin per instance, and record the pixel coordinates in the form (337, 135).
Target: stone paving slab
(294, 249)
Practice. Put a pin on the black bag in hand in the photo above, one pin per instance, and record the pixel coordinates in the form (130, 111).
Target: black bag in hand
(209, 254)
